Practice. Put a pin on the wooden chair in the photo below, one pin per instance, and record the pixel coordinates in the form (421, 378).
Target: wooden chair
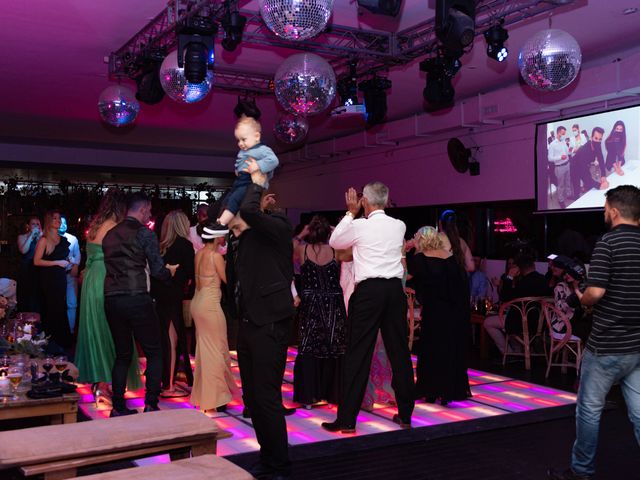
(561, 341)
(524, 307)
(414, 322)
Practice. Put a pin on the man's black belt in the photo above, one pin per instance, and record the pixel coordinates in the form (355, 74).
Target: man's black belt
(562, 164)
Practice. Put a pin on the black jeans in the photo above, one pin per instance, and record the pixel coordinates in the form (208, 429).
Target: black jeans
(376, 304)
(134, 316)
(262, 354)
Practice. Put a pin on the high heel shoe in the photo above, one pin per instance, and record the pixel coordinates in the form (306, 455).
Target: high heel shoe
(100, 394)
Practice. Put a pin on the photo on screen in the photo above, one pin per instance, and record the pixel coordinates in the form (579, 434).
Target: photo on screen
(579, 159)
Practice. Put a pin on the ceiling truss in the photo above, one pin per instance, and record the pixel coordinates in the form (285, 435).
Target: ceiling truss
(375, 51)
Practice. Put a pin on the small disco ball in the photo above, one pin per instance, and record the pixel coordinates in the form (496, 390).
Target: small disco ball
(305, 84)
(291, 128)
(296, 19)
(118, 106)
(175, 84)
(550, 60)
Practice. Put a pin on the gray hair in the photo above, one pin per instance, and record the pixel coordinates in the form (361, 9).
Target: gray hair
(376, 193)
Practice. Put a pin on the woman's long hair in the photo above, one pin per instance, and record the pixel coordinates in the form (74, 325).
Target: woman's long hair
(176, 224)
(319, 230)
(112, 206)
(48, 220)
(623, 136)
(449, 227)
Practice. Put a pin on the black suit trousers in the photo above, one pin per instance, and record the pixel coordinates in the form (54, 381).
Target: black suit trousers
(262, 355)
(376, 304)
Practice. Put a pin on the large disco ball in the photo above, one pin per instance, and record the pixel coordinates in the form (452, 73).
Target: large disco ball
(550, 60)
(296, 19)
(118, 106)
(305, 84)
(175, 83)
(291, 128)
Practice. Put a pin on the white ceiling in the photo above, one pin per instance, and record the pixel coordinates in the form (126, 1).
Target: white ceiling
(52, 71)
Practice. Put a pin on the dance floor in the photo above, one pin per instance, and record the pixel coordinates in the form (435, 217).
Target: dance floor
(492, 395)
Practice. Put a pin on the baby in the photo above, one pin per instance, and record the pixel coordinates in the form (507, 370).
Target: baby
(248, 135)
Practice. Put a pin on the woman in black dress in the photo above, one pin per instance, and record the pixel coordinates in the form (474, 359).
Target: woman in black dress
(442, 288)
(322, 320)
(52, 258)
(176, 249)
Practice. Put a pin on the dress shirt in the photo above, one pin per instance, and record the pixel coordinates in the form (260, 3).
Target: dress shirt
(74, 248)
(196, 240)
(377, 244)
(556, 150)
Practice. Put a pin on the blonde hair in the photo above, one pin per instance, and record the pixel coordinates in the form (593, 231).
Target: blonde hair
(428, 238)
(176, 224)
(250, 122)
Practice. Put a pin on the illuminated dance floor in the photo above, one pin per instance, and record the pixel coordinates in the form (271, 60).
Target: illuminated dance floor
(493, 395)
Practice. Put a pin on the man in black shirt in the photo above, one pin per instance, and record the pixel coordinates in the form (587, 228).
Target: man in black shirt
(128, 248)
(522, 280)
(588, 154)
(613, 349)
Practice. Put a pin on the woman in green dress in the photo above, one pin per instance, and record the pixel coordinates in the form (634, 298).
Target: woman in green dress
(95, 351)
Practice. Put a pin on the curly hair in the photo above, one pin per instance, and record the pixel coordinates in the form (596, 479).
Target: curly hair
(319, 230)
(112, 205)
(428, 238)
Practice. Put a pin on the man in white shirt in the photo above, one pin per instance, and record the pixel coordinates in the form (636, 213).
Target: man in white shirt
(378, 303)
(559, 156)
(72, 273)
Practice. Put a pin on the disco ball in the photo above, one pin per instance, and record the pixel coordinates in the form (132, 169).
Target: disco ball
(550, 60)
(291, 128)
(305, 84)
(296, 19)
(175, 84)
(118, 106)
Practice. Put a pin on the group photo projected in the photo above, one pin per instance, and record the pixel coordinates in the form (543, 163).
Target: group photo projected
(579, 159)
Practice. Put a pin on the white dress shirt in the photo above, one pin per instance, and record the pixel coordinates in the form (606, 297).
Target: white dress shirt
(377, 244)
(557, 149)
(195, 239)
(74, 248)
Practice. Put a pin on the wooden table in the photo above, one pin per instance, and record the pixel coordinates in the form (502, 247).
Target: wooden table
(478, 319)
(62, 409)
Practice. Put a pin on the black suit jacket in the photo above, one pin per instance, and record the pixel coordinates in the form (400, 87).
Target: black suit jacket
(263, 262)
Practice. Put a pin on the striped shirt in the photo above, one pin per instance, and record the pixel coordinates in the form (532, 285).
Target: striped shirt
(615, 266)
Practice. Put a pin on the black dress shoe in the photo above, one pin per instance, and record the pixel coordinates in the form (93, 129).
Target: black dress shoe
(288, 411)
(338, 427)
(122, 413)
(149, 408)
(402, 423)
(566, 475)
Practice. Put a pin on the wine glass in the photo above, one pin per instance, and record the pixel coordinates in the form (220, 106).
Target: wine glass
(15, 377)
(47, 365)
(61, 363)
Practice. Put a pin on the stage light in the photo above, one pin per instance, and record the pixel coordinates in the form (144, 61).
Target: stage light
(375, 99)
(455, 24)
(439, 91)
(496, 36)
(233, 25)
(150, 89)
(348, 86)
(247, 106)
(195, 42)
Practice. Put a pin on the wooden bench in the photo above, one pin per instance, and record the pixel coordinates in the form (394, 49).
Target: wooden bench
(57, 451)
(204, 467)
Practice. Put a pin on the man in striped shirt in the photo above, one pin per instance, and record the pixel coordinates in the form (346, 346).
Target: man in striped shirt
(613, 349)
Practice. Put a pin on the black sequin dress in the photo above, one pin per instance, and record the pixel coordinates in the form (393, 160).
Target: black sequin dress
(322, 334)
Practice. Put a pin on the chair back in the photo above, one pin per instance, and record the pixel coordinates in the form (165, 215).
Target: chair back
(557, 323)
(527, 309)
